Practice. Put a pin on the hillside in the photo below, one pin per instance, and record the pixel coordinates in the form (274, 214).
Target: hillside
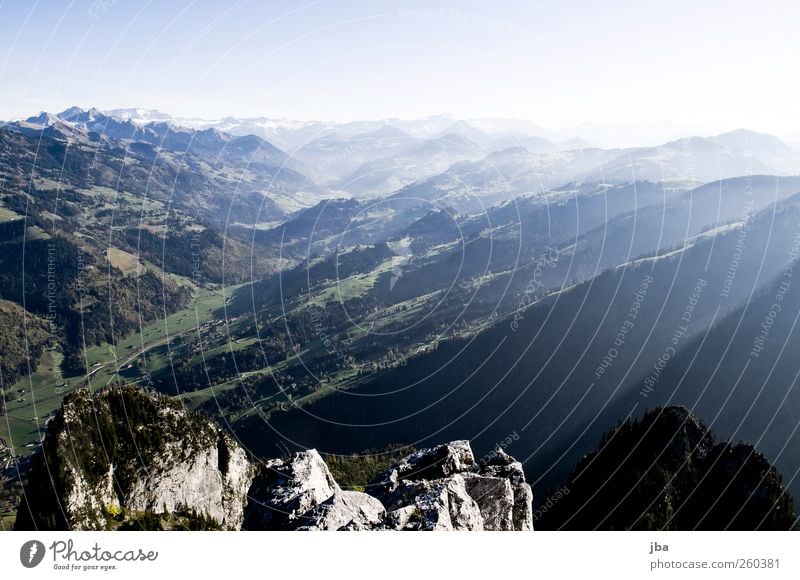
(666, 471)
(552, 371)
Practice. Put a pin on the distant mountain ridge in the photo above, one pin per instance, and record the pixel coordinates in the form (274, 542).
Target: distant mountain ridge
(378, 158)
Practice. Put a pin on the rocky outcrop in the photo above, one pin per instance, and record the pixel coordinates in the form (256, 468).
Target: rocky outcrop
(111, 457)
(441, 505)
(443, 488)
(345, 510)
(123, 458)
(202, 483)
(284, 490)
(500, 466)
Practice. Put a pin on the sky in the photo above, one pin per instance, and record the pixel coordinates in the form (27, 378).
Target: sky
(707, 65)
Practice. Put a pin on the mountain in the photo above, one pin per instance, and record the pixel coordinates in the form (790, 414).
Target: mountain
(335, 155)
(577, 232)
(566, 364)
(259, 180)
(159, 132)
(506, 126)
(288, 134)
(292, 134)
(131, 230)
(666, 471)
(516, 171)
(333, 152)
(465, 130)
(430, 157)
(680, 220)
(758, 144)
(432, 289)
(624, 135)
(502, 176)
(702, 159)
(138, 115)
(741, 372)
(532, 144)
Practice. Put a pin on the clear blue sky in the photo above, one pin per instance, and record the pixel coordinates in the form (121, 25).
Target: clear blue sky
(707, 63)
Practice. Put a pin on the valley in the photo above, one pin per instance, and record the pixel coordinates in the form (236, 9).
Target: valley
(377, 287)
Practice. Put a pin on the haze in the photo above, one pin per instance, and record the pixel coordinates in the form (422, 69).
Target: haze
(701, 67)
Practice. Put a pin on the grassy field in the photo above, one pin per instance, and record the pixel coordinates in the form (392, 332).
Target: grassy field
(125, 261)
(46, 184)
(110, 195)
(34, 398)
(31, 401)
(352, 287)
(36, 233)
(234, 346)
(6, 215)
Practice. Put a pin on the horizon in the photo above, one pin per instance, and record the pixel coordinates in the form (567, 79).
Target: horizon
(556, 134)
(522, 61)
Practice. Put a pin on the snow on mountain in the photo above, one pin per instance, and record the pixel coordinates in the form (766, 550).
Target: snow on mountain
(138, 115)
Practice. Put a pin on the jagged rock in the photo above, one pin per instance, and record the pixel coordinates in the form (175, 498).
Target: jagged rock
(441, 505)
(501, 465)
(346, 510)
(496, 486)
(495, 499)
(426, 464)
(124, 458)
(109, 456)
(407, 518)
(284, 490)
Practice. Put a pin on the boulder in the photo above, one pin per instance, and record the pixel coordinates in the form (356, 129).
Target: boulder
(441, 505)
(413, 490)
(346, 510)
(284, 490)
(426, 464)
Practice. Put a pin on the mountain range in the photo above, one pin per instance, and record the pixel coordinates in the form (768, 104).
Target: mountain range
(368, 287)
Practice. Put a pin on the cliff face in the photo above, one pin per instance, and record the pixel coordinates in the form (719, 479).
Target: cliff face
(124, 459)
(110, 458)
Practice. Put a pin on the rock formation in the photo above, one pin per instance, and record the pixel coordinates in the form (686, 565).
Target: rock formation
(112, 456)
(123, 458)
(441, 488)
